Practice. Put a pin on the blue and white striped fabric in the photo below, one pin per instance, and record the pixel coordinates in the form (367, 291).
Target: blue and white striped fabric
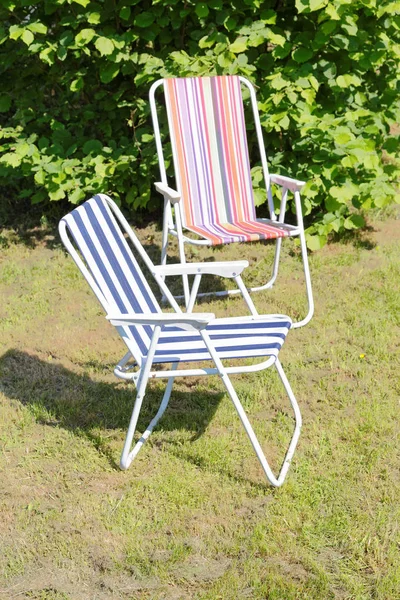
(233, 338)
(113, 267)
(122, 283)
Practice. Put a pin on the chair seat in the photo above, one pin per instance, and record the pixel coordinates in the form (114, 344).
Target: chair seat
(248, 338)
(242, 231)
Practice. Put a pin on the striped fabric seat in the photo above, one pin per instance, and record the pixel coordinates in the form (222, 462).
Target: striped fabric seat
(211, 159)
(123, 284)
(248, 339)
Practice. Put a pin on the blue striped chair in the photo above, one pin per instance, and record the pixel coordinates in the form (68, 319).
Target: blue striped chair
(96, 235)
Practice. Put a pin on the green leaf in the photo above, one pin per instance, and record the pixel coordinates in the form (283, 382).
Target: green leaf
(224, 60)
(11, 159)
(76, 85)
(302, 55)
(316, 242)
(230, 23)
(354, 222)
(15, 32)
(125, 13)
(328, 27)
(38, 197)
(260, 196)
(328, 68)
(94, 18)
(37, 27)
(144, 19)
(104, 46)
(345, 81)
(331, 11)
(40, 177)
(57, 194)
(27, 37)
(343, 137)
(76, 196)
(278, 83)
(83, 3)
(275, 38)
(62, 53)
(201, 9)
(108, 72)
(392, 144)
(180, 57)
(85, 36)
(350, 26)
(344, 193)
(317, 4)
(92, 147)
(268, 16)
(284, 122)
(301, 5)
(239, 45)
(282, 51)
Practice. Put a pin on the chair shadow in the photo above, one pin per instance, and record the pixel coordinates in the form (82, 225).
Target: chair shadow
(59, 397)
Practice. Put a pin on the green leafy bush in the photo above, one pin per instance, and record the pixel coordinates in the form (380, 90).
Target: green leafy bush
(76, 73)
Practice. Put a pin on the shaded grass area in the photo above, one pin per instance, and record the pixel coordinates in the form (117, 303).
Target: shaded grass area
(193, 518)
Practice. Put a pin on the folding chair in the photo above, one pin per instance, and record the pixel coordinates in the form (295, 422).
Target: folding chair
(214, 195)
(94, 235)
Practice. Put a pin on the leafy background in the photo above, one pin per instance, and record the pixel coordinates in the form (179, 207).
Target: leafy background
(75, 75)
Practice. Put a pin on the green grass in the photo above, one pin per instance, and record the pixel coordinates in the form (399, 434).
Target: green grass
(194, 518)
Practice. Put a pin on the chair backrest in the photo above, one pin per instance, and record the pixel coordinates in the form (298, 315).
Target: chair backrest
(210, 149)
(110, 266)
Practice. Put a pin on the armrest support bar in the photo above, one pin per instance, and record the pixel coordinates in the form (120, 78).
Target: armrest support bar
(224, 269)
(291, 184)
(172, 195)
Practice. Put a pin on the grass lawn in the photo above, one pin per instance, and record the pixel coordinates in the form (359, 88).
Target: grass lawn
(194, 518)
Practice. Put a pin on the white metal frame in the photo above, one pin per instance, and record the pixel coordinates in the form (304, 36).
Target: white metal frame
(172, 223)
(192, 321)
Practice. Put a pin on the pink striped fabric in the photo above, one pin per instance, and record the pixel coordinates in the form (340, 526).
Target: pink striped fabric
(211, 159)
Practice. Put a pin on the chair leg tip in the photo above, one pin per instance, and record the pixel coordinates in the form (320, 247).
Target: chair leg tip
(124, 464)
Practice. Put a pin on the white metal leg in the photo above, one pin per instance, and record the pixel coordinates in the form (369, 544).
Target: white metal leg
(164, 243)
(275, 481)
(129, 456)
(310, 298)
(306, 266)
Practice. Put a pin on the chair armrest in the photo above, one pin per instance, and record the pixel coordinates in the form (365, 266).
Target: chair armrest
(291, 184)
(192, 320)
(172, 195)
(224, 269)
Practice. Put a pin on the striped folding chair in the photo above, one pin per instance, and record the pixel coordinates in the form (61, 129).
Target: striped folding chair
(95, 236)
(214, 195)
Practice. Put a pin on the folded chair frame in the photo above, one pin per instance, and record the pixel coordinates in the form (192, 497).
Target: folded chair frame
(173, 219)
(200, 325)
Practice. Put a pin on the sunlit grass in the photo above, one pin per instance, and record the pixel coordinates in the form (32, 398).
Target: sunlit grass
(194, 518)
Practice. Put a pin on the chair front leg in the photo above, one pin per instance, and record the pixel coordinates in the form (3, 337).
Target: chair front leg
(166, 228)
(278, 246)
(275, 481)
(181, 245)
(127, 455)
